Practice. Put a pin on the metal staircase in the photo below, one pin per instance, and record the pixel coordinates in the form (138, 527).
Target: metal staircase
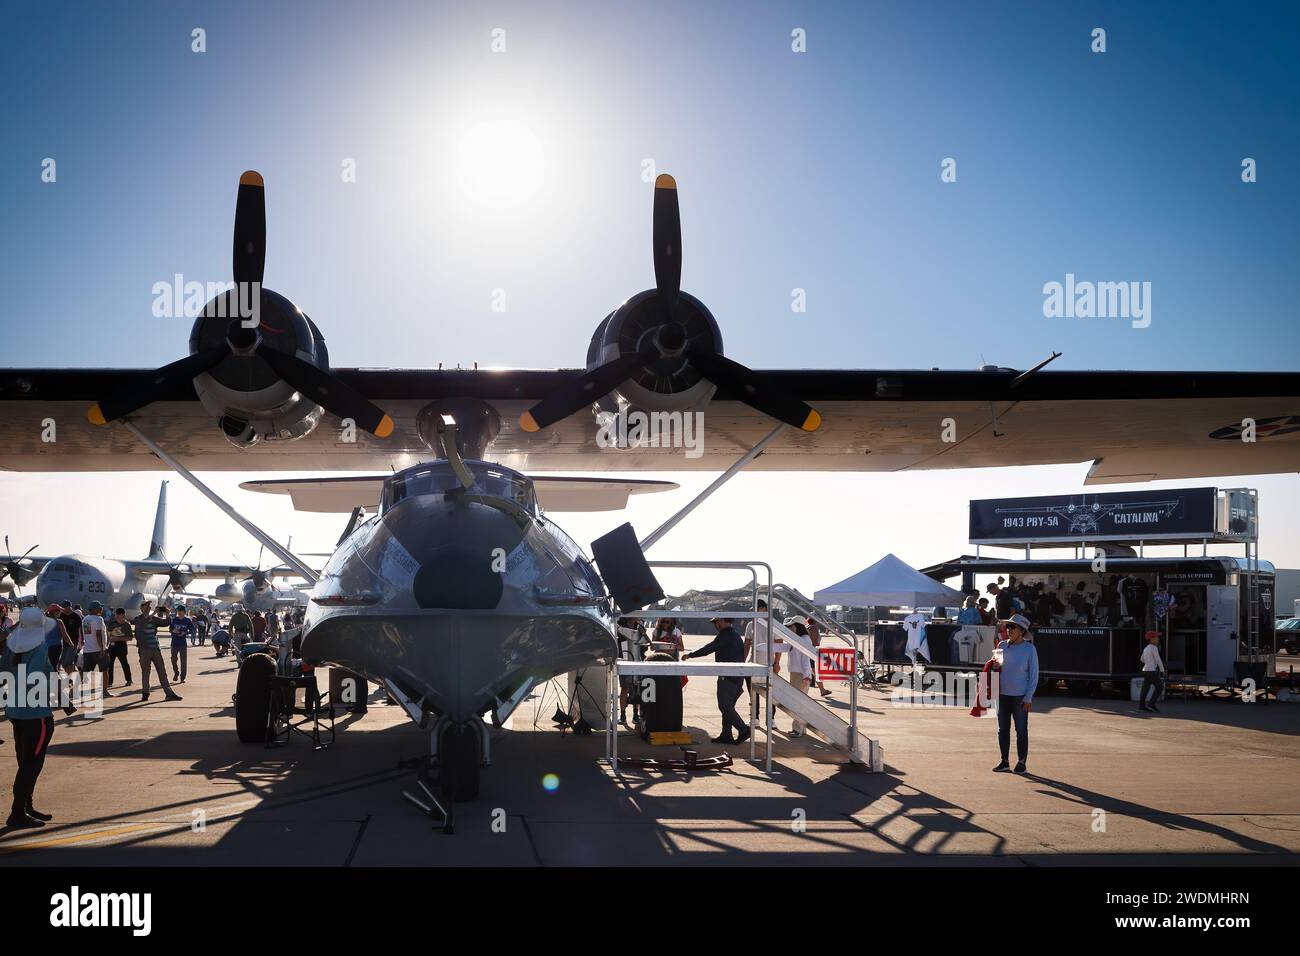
(829, 725)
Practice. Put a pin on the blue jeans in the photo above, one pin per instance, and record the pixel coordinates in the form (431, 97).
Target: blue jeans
(1008, 708)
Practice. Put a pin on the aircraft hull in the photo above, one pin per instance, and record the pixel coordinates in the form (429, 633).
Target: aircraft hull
(463, 663)
(459, 600)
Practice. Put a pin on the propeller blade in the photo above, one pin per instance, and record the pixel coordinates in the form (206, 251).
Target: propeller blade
(25, 553)
(746, 386)
(328, 391)
(101, 413)
(250, 228)
(667, 244)
(587, 388)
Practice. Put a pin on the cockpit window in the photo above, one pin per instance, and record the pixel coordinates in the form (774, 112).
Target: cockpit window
(438, 479)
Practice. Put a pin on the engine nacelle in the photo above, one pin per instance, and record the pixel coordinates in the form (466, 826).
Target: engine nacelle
(250, 402)
(669, 383)
(228, 590)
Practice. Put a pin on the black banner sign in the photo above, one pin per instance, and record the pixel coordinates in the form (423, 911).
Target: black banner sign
(1178, 514)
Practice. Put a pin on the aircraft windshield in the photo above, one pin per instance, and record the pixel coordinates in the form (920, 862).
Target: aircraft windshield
(438, 479)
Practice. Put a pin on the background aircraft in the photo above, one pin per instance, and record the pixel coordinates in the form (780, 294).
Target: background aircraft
(123, 582)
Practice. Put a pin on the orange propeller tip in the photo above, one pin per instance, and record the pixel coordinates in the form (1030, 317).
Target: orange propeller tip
(664, 181)
(96, 415)
(252, 178)
(384, 428)
(812, 422)
(528, 423)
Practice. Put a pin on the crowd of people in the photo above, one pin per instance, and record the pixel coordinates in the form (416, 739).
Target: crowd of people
(1014, 658)
(77, 653)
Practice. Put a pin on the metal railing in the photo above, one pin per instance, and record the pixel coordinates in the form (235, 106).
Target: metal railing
(754, 614)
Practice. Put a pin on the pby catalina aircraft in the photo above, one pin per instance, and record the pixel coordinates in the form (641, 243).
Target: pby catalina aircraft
(119, 582)
(461, 592)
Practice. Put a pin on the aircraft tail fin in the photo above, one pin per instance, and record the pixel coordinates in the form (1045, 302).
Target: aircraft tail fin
(159, 539)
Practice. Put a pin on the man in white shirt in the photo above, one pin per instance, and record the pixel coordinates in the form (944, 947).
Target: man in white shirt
(94, 642)
(1153, 672)
(94, 638)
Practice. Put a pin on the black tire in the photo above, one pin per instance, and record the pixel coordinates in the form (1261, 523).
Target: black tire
(459, 760)
(253, 698)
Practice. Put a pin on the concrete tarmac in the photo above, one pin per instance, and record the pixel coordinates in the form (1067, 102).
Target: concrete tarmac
(169, 784)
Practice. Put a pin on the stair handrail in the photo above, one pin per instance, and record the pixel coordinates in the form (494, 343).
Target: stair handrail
(825, 622)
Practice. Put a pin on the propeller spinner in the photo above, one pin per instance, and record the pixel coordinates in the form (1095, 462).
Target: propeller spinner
(667, 339)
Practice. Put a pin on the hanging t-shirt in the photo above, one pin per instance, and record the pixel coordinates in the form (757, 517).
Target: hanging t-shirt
(1134, 593)
(914, 627)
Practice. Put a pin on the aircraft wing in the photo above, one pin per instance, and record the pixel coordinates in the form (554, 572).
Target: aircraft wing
(1132, 426)
(340, 495)
(198, 569)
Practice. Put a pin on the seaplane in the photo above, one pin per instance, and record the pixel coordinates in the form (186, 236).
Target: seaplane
(453, 587)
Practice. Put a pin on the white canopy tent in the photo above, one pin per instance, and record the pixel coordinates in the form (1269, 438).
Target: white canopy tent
(890, 582)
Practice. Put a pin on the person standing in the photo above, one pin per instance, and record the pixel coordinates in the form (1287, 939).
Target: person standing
(1003, 602)
(241, 627)
(200, 626)
(71, 619)
(57, 644)
(259, 627)
(667, 632)
(728, 647)
(756, 641)
(23, 653)
(1016, 661)
(146, 642)
(800, 667)
(1153, 673)
(182, 630)
(119, 638)
(94, 640)
(815, 636)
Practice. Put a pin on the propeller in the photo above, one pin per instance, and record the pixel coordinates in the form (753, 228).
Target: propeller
(259, 577)
(322, 387)
(177, 580)
(14, 569)
(667, 343)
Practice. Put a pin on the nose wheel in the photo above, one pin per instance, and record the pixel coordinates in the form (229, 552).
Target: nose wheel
(450, 774)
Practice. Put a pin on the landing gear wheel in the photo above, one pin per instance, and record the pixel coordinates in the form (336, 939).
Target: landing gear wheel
(253, 698)
(459, 761)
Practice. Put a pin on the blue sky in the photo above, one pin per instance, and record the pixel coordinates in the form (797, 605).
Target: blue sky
(522, 171)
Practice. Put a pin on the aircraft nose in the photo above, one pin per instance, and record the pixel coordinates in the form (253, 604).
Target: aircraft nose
(459, 578)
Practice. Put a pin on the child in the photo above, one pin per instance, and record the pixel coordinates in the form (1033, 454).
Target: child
(1153, 671)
